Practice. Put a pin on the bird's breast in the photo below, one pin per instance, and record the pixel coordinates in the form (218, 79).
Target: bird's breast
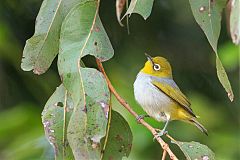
(152, 100)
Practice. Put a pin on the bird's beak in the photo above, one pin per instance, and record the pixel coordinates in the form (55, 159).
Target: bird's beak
(149, 58)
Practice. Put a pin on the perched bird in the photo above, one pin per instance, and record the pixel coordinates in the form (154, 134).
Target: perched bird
(160, 97)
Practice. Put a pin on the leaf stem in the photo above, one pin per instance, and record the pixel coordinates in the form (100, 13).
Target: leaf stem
(108, 127)
(64, 123)
(163, 144)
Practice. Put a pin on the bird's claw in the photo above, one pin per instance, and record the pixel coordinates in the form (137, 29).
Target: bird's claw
(160, 133)
(139, 117)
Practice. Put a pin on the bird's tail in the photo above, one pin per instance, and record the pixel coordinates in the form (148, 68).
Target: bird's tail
(199, 126)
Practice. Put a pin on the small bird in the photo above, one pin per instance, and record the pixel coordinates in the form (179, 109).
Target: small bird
(160, 97)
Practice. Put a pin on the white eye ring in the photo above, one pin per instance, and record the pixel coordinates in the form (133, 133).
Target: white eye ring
(156, 67)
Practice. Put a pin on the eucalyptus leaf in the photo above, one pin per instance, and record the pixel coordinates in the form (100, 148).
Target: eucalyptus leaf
(55, 117)
(42, 47)
(223, 78)
(207, 13)
(142, 7)
(235, 21)
(119, 139)
(82, 34)
(195, 151)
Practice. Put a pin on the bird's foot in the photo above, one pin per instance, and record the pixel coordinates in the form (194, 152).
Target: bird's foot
(141, 117)
(160, 133)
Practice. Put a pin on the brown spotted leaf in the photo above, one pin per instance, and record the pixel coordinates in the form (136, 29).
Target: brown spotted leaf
(119, 139)
(195, 151)
(82, 34)
(55, 118)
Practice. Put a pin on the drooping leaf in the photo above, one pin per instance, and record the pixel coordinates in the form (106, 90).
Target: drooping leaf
(83, 34)
(207, 13)
(235, 21)
(42, 47)
(195, 151)
(55, 117)
(119, 140)
(119, 8)
(223, 78)
(142, 7)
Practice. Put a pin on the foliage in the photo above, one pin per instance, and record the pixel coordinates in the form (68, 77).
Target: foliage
(195, 150)
(93, 40)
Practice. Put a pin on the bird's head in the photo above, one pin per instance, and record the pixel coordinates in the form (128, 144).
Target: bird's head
(157, 66)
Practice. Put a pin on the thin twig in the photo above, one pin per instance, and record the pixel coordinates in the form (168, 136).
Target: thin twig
(164, 145)
(164, 154)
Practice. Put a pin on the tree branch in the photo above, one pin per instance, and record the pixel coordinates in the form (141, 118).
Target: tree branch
(164, 155)
(163, 144)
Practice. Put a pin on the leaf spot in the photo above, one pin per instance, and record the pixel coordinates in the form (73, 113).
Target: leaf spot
(205, 157)
(85, 109)
(94, 145)
(105, 108)
(97, 29)
(190, 146)
(51, 130)
(119, 138)
(202, 9)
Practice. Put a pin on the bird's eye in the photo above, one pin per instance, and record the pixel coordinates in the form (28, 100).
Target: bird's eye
(156, 67)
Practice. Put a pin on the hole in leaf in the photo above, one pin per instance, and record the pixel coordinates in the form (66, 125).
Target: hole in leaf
(89, 61)
(60, 104)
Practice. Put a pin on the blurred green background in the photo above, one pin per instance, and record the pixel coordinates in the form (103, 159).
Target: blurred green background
(171, 32)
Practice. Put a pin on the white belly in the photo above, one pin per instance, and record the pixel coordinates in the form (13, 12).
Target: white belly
(153, 101)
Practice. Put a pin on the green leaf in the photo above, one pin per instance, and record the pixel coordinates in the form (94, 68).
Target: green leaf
(119, 140)
(41, 49)
(55, 118)
(223, 78)
(207, 13)
(235, 21)
(82, 34)
(89, 119)
(142, 7)
(195, 151)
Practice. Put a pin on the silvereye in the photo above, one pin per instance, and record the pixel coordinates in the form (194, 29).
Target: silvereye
(160, 97)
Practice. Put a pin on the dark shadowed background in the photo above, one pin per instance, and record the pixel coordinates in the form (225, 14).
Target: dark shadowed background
(170, 31)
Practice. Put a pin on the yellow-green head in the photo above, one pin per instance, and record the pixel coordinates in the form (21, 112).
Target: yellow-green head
(157, 66)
